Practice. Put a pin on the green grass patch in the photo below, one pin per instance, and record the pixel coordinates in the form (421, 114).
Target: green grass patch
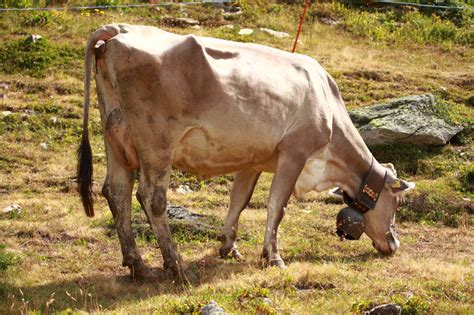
(467, 179)
(424, 161)
(35, 56)
(411, 305)
(185, 306)
(401, 26)
(434, 202)
(444, 177)
(7, 259)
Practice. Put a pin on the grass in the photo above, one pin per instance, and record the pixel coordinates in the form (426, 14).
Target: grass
(54, 259)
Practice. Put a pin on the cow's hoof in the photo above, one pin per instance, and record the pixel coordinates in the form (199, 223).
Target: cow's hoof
(140, 272)
(232, 252)
(277, 262)
(236, 254)
(181, 272)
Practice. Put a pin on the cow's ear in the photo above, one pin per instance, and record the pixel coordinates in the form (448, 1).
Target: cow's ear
(391, 167)
(400, 186)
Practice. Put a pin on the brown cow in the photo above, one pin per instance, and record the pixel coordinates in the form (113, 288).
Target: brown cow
(210, 107)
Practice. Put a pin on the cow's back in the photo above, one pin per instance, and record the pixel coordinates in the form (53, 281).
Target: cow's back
(223, 105)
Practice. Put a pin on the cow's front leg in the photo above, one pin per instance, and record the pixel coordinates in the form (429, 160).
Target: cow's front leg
(117, 190)
(288, 169)
(242, 189)
(152, 197)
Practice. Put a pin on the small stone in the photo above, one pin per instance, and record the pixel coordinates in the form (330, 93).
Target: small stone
(246, 31)
(212, 308)
(34, 38)
(229, 26)
(5, 113)
(44, 145)
(385, 309)
(183, 189)
(328, 21)
(232, 15)
(14, 208)
(275, 33)
(179, 22)
(232, 9)
(196, 27)
(53, 119)
(266, 301)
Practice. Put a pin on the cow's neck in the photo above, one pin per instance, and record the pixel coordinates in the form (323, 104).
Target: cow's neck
(349, 159)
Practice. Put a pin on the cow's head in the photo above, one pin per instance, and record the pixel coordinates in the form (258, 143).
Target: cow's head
(380, 221)
(373, 209)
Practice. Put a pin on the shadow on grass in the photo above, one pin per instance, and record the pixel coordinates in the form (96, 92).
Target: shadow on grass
(105, 292)
(340, 258)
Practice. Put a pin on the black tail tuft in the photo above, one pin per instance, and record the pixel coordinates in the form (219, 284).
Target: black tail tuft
(84, 175)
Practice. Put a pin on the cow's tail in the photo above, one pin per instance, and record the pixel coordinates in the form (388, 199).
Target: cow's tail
(84, 153)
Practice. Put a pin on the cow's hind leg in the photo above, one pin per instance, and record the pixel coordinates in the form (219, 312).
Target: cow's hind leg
(242, 189)
(152, 196)
(288, 169)
(117, 190)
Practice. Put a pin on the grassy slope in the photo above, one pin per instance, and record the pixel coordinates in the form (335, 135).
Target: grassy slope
(62, 260)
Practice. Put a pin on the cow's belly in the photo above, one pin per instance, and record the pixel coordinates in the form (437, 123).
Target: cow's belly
(203, 153)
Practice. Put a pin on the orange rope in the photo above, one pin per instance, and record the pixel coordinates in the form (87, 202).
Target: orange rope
(301, 25)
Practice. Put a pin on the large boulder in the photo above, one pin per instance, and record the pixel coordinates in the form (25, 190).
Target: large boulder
(411, 119)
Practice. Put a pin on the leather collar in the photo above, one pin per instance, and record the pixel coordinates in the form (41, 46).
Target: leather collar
(370, 189)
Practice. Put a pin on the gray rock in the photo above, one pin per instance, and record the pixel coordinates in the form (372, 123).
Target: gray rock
(212, 308)
(180, 213)
(411, 119)
(385, 309)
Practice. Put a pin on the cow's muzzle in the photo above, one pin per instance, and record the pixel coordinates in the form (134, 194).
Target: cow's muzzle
(390, 245)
